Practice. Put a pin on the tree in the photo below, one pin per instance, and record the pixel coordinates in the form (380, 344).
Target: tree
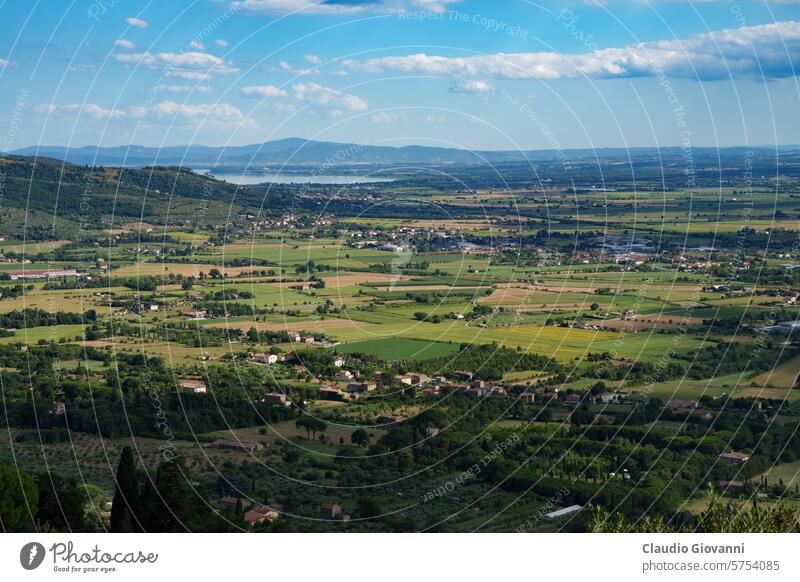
(360, 437)
(126, 500)
(311, 425)
(18, 500)
(61, 504)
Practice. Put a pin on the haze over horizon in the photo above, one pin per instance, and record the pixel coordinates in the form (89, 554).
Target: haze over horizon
(544, 76)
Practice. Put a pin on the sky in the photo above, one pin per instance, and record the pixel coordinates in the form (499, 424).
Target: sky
(476, 74)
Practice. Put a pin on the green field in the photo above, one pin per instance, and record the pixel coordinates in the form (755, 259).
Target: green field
(399, 349)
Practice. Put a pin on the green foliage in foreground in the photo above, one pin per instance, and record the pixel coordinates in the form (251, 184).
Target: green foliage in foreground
(721, 516)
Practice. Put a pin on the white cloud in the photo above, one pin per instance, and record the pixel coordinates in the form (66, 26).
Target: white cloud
(126, 44)
(389, 116)
(197, 45)
(137, 22)
(263, 91)
(212, 114)
(435, 119)
(81, 68)
(93, 110)
(284, 66)
(770, 49)
(341, 6)
(221, 42)
(185, 65)
(314, 59)
(334, 102)
(459, 85)
(182, 88)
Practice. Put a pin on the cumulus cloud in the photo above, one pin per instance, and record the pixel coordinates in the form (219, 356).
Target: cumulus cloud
(221, 42)
(126, 44)
(137, 22)
(197, 45)
(182, 88)
(93, 110)
(389, 116)
(212, 114)
(459, 85)
(314, 59)
(771, 50)
(341, 6)
(263, 91)
(334, 102)
(284, 66)
(186, 65)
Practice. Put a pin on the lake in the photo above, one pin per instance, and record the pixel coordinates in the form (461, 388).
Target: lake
(246, 179)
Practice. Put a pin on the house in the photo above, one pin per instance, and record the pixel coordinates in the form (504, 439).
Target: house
(259, 515)
(196, 386)
(235, 445)
(153, 307)
(676, 403)
(59, 408)
(344, 376)
(276, 398)
(195, 314)
(432, 431)
(462, 375)
(361, 386)
(609, 398)
(296, 338)
(330, 393)
(338, 362)
(268, 359)
(573, 399)
(391, 418)
(528, 397)
(733, 458)
(42, 274)
(330, 511)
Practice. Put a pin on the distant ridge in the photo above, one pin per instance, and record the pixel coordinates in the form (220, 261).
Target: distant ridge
(301, 152)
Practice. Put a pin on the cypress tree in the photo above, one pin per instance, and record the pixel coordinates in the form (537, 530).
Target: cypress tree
(125, 505)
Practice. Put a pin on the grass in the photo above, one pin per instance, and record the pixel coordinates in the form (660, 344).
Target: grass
(399, 349)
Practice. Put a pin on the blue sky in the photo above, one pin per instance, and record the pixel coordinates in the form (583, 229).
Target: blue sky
(462, 73)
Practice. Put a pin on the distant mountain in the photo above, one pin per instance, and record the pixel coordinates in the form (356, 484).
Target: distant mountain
(297, 152)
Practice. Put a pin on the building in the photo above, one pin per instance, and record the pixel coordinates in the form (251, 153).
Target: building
(574, 399)
(338, 362)
(196, 386)
(528, 398)
(330, 511)
(676, 403)
(390, 418)
(276, 398)
(562, 512)
(234, 445)
(361, 386)
(195, 314)
(59, 408)
(268, 359)
(259, 515)
(344, 376)
(733, 458)
(42, 274)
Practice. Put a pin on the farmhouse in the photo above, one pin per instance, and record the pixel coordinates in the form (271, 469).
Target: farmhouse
(195, 314)
(196, 386)
(733, 458)
(264, 358)
(259, 515)
(528, 398)
(330, 511)
(361, 386)
(42, 274)
(391, 418)
(276, 398)
(235, 445)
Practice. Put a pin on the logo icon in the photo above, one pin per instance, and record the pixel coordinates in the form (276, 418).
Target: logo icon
(31, 555)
